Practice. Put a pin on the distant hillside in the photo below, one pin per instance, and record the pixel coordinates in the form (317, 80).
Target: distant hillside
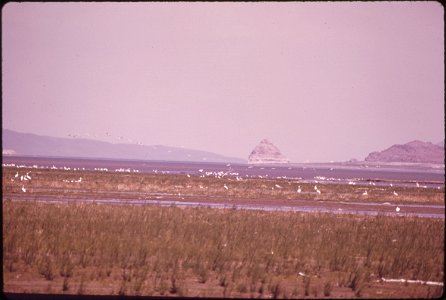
(412, 152)
(16, 143)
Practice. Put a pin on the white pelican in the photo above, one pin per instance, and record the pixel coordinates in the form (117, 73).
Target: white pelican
(365, 193)
(397, 209)
(23, 189)
(299, 189)
(395, 193)
(318, 191)
(225, 186)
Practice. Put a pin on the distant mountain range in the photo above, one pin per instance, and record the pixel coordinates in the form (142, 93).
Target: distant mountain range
(412, 152)
(27, 144)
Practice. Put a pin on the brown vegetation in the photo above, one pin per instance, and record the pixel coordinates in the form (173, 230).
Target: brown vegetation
(126, 250)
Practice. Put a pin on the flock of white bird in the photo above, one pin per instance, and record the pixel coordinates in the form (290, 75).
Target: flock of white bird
(107, 135)
(72, 180)
(25, 177)
(219, 175)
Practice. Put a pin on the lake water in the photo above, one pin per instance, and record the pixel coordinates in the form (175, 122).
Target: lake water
(371, 209)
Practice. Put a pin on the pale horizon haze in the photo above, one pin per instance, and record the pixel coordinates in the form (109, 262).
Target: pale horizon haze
(323, 81)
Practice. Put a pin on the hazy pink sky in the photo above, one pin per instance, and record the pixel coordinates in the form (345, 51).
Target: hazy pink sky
(323, 81)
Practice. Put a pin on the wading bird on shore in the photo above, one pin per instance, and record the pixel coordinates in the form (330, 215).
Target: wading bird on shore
(365, 193)
(299, 189)
(395, 193)
(397, 209)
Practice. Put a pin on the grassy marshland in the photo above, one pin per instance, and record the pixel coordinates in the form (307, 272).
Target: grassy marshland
(97, 184)
(101, 249)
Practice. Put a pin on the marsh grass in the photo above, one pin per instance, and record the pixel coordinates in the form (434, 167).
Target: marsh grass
(327, 289)
(168, 250)
(66, 284)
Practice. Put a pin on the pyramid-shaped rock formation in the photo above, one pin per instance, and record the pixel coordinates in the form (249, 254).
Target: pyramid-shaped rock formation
(266, 153)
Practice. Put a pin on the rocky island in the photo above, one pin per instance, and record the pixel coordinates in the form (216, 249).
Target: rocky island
(266, 153)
